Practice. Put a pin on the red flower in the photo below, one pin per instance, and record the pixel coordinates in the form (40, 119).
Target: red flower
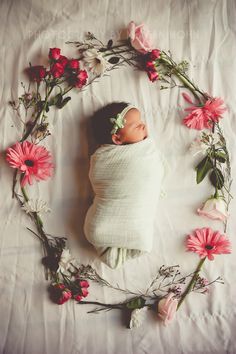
(73, 64)
(78, 297)
(33, 161)
(80, 79)
(150, 66)
(62, 60)
(57, 70)
(54, 53)
(207, 242)
(155, 54)
(36, 73)
(84, 284)
(83, 292)
(59, 293)
(153, 75)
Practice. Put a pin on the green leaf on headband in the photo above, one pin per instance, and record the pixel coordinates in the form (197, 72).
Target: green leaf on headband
(114, 60)
(136, 303)
(203, 168)
(217, 178)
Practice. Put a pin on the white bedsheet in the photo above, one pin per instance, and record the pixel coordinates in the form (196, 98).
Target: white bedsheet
(204, 33)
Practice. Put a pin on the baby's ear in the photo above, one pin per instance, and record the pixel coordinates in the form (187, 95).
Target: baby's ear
(116, 139)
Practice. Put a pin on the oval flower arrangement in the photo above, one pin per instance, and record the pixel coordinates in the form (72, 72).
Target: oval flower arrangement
(49, 87)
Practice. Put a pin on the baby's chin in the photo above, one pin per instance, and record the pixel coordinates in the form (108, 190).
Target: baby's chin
(138, 139)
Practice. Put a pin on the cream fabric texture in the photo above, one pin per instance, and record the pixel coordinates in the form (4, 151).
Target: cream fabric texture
(203, 33)
(126, 180)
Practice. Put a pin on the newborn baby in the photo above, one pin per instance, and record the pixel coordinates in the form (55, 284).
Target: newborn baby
(126, 174)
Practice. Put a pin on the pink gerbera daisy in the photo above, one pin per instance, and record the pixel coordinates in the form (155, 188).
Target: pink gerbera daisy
(33, 161)
(203, 116)
(207, 242)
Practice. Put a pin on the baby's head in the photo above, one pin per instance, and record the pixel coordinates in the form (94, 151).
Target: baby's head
(118, 123)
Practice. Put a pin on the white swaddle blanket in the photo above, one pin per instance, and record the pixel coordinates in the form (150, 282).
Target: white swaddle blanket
(126, 180)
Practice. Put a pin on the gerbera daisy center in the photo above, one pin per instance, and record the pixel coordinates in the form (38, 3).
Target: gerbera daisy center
(209, 247)
(29, 163)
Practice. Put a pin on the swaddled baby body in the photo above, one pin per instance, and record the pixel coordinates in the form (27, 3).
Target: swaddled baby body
(126, 174)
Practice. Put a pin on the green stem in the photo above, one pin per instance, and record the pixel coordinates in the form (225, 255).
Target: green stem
(192, 282)
(114, 306)
(186, 81)
(69, 89)
(24, 194)
(39, 222)
(114, 52)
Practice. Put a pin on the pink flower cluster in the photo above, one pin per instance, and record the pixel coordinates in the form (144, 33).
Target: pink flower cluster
(61, 293)
(203, 116)
(60, 66)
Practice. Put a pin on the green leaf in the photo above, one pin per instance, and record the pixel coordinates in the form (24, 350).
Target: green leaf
(56, 100)
(136, 303)
(220, 156)
(217, 178)
(109, 43)
(114, 60)
(64, 102)
(203, 168)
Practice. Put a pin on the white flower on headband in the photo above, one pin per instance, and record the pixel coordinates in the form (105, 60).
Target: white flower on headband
(118, 123)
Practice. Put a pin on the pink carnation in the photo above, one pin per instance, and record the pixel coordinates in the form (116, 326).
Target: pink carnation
(33, 161)
(203, 116)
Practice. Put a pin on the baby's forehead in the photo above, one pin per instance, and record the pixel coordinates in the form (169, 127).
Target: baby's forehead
(132, 115)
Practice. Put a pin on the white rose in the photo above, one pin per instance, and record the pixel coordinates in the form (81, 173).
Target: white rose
(214, 208)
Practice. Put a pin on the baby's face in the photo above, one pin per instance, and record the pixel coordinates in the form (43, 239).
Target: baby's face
(134, 130)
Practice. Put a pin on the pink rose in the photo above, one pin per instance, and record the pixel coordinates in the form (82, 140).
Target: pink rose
(167, 308)
(54, 53)
(140, 38)
(214, 208)
(153, 75)
(57, 70)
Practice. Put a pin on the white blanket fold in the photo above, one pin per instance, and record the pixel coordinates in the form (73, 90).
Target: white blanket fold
(126, 180)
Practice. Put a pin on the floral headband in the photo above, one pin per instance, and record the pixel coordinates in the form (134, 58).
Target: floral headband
(119, 121)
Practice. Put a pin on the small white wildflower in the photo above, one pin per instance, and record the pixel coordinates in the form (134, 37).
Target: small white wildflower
(95, 61)
(36, 206)
(198, 147)
(65, 261)
(137, 317)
